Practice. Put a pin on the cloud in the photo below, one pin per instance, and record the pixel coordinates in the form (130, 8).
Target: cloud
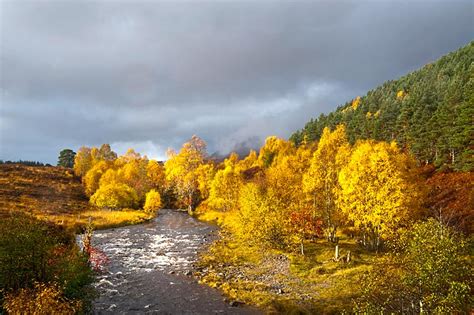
(152, 73)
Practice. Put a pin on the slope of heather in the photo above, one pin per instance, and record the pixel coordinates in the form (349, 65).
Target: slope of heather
(54, 194)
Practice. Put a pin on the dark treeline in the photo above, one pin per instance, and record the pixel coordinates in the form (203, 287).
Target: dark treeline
(428, 112)
(27, 163)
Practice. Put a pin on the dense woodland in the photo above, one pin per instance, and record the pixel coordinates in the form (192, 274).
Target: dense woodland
(428, 112)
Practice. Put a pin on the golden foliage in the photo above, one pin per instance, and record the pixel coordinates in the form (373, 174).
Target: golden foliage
(115, 196)
(204, 175)
(134, 173)
(260, 220)
(225, 187)
(92, 178)
(284, 178)
(274, 148)
(401, 95)
(152, 201)
(156, 175)
(355, 103)
(180, 169)
(82, 161)
(42, 299)
(321, 180)
(249, 161)
(378, 188)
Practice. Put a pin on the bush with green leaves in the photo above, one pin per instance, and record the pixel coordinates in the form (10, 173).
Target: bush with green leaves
(35, 252)
(429, 272)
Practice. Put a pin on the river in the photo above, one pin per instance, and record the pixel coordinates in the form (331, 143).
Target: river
(150, 269)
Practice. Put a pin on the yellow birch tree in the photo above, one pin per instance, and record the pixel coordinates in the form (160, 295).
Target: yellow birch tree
(379, 191)
(321, 180)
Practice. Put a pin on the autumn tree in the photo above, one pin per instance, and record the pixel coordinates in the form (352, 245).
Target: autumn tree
(110, 176)
(82, 161)
(284, 181)
(273, 148)
(180, 169)
(260, 222)
(130, 155)
(251, 160)
(379, 191)
(134, 174)
(115, 196)
(205, 174)
(92, 178)
(225, 187)
(86, 158)
(303, 225)
(450, 199)
(106, 153)
(321, 180)
(152, 201)
(156, 174)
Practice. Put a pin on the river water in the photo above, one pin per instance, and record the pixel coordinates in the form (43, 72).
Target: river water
(150, 269)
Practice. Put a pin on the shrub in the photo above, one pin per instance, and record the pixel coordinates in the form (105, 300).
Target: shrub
(25, 248)
(32, 252)
(153, 201)
(428, 273)
(115, 196)
(42, 299)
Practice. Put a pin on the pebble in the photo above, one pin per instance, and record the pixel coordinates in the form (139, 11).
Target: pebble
(112, 307)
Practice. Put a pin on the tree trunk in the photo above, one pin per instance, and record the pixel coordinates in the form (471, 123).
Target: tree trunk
(302, 248)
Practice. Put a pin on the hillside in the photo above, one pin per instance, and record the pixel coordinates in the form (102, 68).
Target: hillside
(40, 190)
(54, 194)
(429, 112)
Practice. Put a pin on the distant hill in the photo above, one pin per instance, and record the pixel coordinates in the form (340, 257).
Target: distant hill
(428, 112)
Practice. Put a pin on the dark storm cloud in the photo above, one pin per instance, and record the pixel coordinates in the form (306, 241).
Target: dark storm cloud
(150, 74)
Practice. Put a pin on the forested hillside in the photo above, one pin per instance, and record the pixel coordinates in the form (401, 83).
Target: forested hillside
(429, 112)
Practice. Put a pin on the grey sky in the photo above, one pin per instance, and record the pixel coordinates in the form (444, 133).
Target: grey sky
(150, 74)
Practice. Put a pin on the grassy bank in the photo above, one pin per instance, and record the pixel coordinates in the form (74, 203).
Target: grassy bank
(281, 281)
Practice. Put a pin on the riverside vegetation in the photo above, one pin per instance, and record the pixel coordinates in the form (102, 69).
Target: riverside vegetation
(335, 220)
